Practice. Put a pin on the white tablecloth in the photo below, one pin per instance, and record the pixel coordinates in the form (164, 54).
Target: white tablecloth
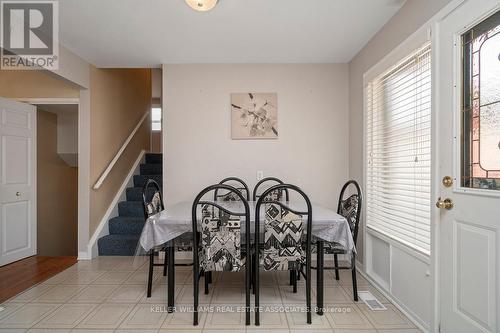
(176, 220)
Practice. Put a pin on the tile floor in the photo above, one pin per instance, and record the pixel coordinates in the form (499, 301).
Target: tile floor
(108, 294)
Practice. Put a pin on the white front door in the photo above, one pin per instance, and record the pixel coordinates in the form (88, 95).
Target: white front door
(18, 181)
(467, 98)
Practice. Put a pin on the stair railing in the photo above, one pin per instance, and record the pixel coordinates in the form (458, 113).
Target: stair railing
(111, 164)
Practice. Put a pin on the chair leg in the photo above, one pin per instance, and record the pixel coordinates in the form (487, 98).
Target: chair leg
(298, 275)
(165, 263)
(354, 282)
(207, 274)
(196, 286)
(336, 260)
(256, 290)
(291, 277)
(248, 277)
(308, 291)
(294, 281)
(209, 277)
(150, 274)
(254, 264)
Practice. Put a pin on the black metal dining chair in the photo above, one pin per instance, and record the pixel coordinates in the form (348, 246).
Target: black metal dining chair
(277, 195)
(282, 247)
(350, 208)
(221, 247)
(153, 204)
(235, 182)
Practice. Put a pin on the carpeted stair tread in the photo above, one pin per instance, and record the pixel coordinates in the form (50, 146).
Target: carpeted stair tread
(131, 209)
(154, 158)
(140, 180)
(151, 169)
(122, 225)
(118, 245)
(135, 193)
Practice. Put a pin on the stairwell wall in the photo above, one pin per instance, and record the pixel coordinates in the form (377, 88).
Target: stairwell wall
(118, 98)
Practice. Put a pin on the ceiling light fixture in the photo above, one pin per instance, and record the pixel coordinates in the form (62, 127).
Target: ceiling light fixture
(202, 5)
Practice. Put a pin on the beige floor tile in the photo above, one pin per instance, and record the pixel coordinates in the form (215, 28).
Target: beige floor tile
(59, 294)
(176, 330)
(9, 308)
(83, 330)
(355, 331)
(83, 277)
(305, 330)
(186, 295)
(66, 316)
(131, 264)
(143, 317)
(59, 278)
(135, 330)
(12, 330)
(183, 320)
(48, 330)
(269, 295)
(267, 278)
(401, 330)
(113, 277)
(159, 295)
(28, 315)
(106, 316)
(297, 319)
(336, 294)
(95, 265)
(127, 294)
(289, 297)
(391, 318)
(346, 279)
(141, 277)
(270, 320)
(231, 278)
(347, 316)
(31, 294)
(93, 294)
(228, 295)
(227, 317)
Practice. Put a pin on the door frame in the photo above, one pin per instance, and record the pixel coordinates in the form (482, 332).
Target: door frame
(83, 164)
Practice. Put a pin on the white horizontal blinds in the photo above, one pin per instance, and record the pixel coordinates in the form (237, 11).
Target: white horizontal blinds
(398, 134)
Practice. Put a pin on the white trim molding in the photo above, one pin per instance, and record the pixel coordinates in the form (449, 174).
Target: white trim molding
(112, 211)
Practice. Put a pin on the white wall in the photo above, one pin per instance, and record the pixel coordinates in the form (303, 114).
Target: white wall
(312, 148)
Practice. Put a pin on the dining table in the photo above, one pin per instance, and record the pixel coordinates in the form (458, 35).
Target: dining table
(163, 228)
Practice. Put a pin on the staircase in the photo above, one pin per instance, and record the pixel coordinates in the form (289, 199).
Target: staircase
(125, 229)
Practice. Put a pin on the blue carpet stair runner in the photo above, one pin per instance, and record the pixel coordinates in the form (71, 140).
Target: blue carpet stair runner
(125, 229)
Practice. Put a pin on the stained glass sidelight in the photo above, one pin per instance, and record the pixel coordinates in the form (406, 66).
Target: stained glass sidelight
(481, 105)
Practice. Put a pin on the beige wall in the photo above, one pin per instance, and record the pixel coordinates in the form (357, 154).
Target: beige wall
(57, 194)
(411, 16)
(119, 98)
(311, 150)
(35, 84)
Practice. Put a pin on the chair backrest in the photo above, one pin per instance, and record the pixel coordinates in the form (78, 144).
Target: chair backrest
(238, 184)
(151, 198)
(350, 207)
(220, 230)
(276, 195)
(283, 230)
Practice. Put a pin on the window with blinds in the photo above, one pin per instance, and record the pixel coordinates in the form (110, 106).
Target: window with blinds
(398, 146)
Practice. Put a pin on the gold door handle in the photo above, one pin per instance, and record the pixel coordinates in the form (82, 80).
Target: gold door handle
(446, 203)
(18, 194)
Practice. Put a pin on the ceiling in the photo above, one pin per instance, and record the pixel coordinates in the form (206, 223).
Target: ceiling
(132, 33)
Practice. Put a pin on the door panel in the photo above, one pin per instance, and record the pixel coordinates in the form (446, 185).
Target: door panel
(468, 245)
(17, 181)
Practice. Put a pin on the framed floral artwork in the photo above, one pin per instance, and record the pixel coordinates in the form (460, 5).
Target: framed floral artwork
(254, 116)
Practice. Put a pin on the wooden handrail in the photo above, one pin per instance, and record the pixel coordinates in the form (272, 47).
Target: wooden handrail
(111, 164)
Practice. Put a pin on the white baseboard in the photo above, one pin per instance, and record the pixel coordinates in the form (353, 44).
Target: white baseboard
(401, 307)
(112, 211)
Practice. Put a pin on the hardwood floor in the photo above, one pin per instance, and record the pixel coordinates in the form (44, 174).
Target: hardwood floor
(25, 273)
